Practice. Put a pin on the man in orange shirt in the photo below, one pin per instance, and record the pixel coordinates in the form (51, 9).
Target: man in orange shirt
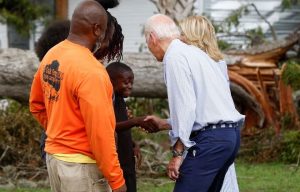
(71, 96)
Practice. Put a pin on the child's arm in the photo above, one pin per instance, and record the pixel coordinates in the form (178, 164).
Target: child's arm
(136, 122)
(125, 125)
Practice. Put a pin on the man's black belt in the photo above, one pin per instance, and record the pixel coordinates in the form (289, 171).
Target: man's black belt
(215, 126)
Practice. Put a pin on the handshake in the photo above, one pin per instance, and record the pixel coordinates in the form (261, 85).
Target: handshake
(152, 124)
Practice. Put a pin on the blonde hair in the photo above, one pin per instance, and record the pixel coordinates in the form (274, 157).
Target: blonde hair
(198, 31)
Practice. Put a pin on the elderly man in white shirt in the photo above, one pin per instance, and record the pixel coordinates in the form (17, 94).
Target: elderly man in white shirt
(203, 118)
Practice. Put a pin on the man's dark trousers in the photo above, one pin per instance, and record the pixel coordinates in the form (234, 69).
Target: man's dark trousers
(205, 166)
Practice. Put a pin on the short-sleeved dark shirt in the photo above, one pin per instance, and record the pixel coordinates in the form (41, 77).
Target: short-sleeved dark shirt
(124, 139)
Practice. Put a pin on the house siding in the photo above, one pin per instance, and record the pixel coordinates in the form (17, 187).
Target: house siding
(284, 22)
(3, 36)
(132, 14)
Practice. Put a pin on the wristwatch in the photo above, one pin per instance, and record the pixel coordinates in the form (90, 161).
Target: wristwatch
(177, 153)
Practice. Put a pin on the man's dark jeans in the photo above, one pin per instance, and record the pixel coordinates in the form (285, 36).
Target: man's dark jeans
(205, 166)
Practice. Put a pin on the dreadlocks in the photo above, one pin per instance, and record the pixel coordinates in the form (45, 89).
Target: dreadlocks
(114, 38)
(59, 30)
(116, 44)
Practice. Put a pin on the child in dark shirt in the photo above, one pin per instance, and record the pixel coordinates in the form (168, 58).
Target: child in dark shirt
(122, 78)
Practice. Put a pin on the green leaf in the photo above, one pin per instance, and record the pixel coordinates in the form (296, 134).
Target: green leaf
(291, 75)
(21, 14)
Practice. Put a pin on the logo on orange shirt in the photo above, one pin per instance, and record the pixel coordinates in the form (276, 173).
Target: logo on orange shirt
(52, 78)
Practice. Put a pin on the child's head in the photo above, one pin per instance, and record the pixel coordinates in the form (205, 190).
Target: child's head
(199, 31)
(121, 77)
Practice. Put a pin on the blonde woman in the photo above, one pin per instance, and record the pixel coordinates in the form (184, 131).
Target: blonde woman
(198, 31)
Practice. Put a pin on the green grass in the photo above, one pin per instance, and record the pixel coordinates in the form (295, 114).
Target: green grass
(271, 177)
(155, 185)
(268, 177)
(26, 190)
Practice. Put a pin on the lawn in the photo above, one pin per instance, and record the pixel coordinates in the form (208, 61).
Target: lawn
(271, 177)
(268, 177)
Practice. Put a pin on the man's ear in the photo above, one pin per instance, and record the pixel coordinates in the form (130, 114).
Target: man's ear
(97, 30)
(153, 38)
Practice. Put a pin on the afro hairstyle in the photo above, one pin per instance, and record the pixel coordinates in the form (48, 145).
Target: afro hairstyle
(52, 35)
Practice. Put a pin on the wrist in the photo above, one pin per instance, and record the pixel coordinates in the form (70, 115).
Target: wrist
(135, 122)
(164, 125)
(178, 158)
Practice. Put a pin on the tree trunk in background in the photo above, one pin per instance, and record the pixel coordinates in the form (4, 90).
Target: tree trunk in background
(17, 68)
(148, 75)
(176, 9)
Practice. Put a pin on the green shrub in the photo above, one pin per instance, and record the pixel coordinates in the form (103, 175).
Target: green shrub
(19, 136)
(290, 150)
(263, 146)
(291, 75)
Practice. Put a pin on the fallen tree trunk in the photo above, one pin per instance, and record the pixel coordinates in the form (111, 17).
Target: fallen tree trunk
(17, 68)
(148, 75)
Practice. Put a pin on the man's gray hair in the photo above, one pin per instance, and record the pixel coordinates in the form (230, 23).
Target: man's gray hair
(163, 27)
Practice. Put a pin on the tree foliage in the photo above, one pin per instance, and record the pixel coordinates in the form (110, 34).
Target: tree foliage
(291, 74)
(287, 4)
(232, 22)
(21, 14)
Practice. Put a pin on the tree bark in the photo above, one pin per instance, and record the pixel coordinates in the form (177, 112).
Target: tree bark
(176, 9)
(17, 68)
(148, 75)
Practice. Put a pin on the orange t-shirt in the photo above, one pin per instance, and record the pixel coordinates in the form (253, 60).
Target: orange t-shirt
(71, 96)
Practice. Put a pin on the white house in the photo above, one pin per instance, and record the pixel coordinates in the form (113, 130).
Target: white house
(132, 14)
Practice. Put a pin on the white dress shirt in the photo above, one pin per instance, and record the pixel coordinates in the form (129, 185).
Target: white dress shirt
(198, 91)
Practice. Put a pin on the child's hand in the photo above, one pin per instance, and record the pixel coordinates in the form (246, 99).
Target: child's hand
(137, 155)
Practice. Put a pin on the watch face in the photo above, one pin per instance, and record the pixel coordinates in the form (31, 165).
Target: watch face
(176, 153)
